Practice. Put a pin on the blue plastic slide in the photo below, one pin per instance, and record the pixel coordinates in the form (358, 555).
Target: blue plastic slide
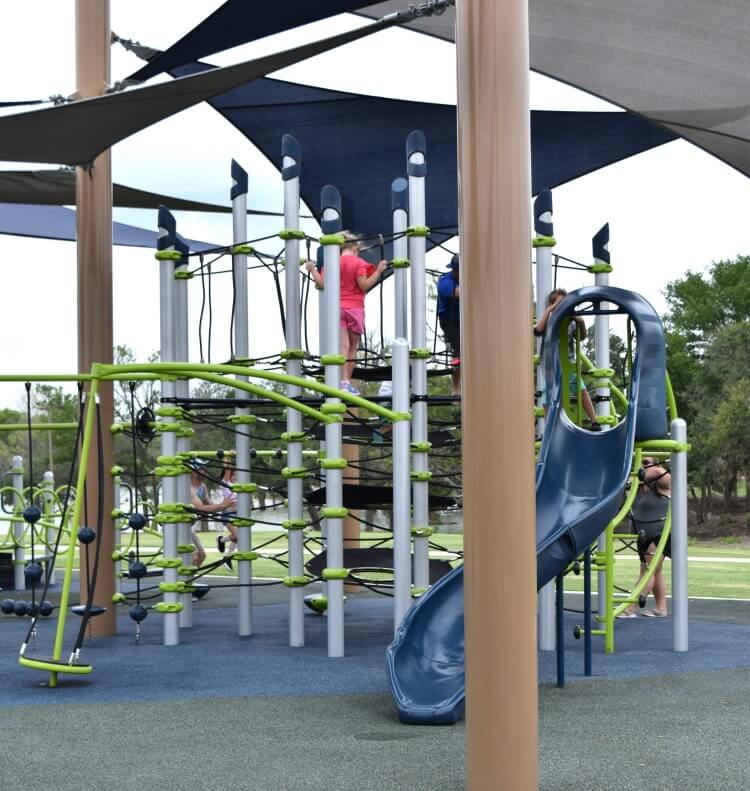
(580, 477)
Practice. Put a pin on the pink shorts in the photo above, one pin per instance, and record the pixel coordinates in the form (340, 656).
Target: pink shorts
(353, 319)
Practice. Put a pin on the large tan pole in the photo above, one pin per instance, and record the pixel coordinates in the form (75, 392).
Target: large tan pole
(94, 234)
(492, 40)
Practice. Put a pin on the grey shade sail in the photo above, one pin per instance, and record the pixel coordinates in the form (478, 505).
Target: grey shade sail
(58, 222)
(58, 188)
(680, 63)
(357, 143)
(76, 133)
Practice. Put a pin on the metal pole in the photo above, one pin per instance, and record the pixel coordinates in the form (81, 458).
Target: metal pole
(165, 247)
(330, 202)
(291, 162)
(19, 578)
(242, 441)
(600, 246)
(399, 206)
(587, 611)
(544, 241)
(117, 499)
(560, 629)
(679, 539)
(182, 390)
(492, 44)
(94, 285)
(401, 484)
(416, 167)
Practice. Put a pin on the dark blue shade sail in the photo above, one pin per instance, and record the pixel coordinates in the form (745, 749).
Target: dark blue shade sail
(58, 222)
(358, 144)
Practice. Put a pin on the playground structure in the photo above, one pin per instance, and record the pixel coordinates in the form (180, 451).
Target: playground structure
(326, 405)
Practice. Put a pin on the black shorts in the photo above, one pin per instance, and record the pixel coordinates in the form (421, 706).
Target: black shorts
(650, 534)
(452, 333)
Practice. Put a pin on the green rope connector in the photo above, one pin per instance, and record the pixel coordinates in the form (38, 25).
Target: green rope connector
(398, 417)
(420, 475)
(291, 233)
(295, 472)
(332, 464)
(600, 373)
(168, 563)
(293, 436)
(117, 513)
(242, 521)
(335, 574)
(183, 274)
(419, 354)
(171, 411)
(337, 239)
(117, 556)
(333, 409)
(115, 471)
(538, 411)
(185, 548)
(332, 359)
(185, 431)
(172, 587)
(420, 447)
(295, 582)
(543, 241)
(172, 508)
(167, 255)
(422, 532)
(400, 263)
(418, 230)
(334, 512)
(606, 420)
(188, 571)
(294, 524)
(118, 598)
(537, 359)
(599, 269)
(244, 488)
(242, 420)
(417, 592)
(167, 608)
(164, 427)
(171, 519)
(242, 249)
(168, 472)
(293, 354)
(169, 461)
(115, 428)
(248, 556)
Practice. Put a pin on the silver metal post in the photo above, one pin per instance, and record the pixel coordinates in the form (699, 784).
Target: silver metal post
(182, 390)
(600, 245)
(242, 440)
(543, 242)
(19, 578)
(401, 485)
(679, 540)
(166, 244)
(117, 500)
(416, 166)
(291, 159)
(330, 201)
(48, 488)
(399, 207)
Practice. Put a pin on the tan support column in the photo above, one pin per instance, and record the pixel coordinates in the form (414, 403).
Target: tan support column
(94, 232)
(498, 433)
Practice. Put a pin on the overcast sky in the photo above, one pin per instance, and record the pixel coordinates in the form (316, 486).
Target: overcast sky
(671, 209)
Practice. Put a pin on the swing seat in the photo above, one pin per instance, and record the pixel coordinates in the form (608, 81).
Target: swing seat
(54, 666)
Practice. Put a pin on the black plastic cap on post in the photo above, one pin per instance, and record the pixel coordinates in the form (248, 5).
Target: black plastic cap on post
(600, 244)
(416, 144)
(167, 229)
(399, 194)
(330, 198)
(542, 207)
(239, 180)
(291, 148)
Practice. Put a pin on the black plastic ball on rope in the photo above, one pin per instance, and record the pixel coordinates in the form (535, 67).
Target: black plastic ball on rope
(138, 612)
(20, 608)
(137, 570)
(33, 573)
(32, 609)
(46, 609)
(136, 521)
(32, 514)
(7, 606)
(86, 535)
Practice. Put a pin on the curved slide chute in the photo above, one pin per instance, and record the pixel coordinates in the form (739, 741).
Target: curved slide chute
(580, 478)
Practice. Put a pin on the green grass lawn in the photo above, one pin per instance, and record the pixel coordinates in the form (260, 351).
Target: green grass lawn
(708, 575)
